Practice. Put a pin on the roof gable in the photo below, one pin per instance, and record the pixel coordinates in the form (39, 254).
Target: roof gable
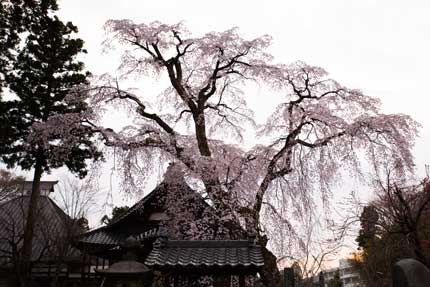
(51, 225)
(143, 204)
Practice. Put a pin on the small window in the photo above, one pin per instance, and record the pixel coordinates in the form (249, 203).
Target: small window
(158, 216)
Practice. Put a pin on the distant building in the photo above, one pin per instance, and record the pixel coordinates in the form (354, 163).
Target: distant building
(348, 276)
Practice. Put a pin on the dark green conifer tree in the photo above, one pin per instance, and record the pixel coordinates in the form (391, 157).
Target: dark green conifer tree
(40, 74)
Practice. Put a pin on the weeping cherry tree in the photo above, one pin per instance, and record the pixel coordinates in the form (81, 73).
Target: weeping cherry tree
(318, 130)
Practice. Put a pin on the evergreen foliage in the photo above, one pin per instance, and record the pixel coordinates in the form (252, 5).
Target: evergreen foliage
(39, 78)
(117, 211)
(40, 125)
(16, 17)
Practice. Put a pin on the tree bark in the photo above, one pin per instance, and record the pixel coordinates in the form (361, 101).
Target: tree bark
(202, 141)
(418, 250)
(29, 225)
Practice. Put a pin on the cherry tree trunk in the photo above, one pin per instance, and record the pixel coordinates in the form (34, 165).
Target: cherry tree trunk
(270, 275)
(418, 250)
(29, 226)
(202, 140)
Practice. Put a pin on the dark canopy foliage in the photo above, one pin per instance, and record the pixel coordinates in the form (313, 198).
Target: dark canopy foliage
(393, 227)
(40, 77)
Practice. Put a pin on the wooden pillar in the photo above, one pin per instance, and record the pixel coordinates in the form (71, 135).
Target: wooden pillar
(49, 271)
(176, 280)
(83, 269)
(241, 280)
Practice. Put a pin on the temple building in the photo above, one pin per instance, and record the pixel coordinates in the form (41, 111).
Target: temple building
(167, 239)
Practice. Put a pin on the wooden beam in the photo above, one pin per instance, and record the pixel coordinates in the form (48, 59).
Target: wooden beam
(241, 280)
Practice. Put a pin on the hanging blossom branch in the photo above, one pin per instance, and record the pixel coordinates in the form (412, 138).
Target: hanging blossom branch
(311, 123)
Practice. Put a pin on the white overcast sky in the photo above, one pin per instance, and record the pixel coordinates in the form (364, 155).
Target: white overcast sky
(380, 47)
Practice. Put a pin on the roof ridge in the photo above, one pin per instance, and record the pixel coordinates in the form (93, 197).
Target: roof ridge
(208, 243)
(59, 210)
(137, 205)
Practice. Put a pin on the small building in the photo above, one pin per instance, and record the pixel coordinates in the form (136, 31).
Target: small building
(53, 257)
(348, 275)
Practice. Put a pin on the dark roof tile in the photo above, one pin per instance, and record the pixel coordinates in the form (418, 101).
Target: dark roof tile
(209, 253)
(103, 237)
(51, 225)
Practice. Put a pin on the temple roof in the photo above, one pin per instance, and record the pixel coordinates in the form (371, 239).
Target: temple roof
(110, 235)
(212, 254)
(104, 236)
(117, 231)
(51, 225)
